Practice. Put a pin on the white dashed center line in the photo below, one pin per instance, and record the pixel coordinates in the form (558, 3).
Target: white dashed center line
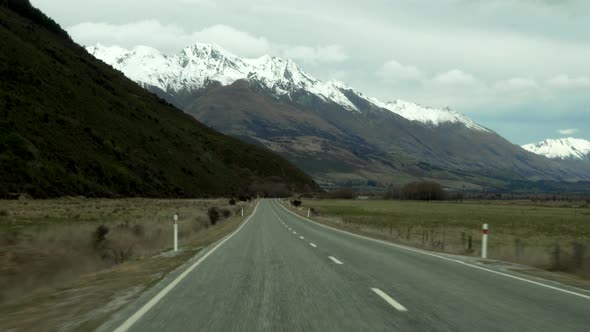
(389, 300)
(313, 245)
(301, 237)
(335, 260)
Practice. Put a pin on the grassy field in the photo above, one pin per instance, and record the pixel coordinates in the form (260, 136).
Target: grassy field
(553, 236)
(58, 267)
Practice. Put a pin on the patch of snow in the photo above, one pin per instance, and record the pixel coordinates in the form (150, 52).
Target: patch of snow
(561, 148)
(196, 66)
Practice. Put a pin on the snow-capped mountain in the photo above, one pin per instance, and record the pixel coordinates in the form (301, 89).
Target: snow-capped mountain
(200, 65)
(328, 129)
(561, 148)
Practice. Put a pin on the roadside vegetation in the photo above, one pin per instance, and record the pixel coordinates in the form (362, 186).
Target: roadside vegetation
(78, 260)
(551, 235)
(71, 125)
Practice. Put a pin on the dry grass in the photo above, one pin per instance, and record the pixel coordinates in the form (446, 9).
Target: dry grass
(554, 236)
(48, 248)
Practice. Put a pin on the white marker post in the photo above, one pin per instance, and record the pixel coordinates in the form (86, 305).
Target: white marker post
(484, 241)
(242, 211)
(308, 212)
(176, 232)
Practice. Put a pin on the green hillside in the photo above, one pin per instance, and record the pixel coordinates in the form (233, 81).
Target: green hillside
(71, 125)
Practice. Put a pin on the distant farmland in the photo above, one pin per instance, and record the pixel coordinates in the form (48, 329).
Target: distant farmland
(553, 236)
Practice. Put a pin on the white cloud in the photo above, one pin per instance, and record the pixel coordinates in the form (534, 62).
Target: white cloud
(569, 131)
(566, 82)
(395, 71)
(171, 38)
(168, 38)
(516, 84)
(239, 42)
(208, 3)
(455, 77)
(314, 55)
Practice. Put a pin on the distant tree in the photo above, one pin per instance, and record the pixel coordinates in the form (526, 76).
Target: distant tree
(423, 190)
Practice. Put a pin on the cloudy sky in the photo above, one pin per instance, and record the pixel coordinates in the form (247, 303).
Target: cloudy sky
(519, 67)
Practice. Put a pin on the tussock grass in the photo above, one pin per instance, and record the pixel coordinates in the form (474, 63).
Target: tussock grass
(50, 243)
(553, 236)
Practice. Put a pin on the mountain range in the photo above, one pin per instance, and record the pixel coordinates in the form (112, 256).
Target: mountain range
(333, 132)
(71, 125)
(561, 148)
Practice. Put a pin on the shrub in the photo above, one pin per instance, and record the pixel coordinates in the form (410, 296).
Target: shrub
(226, 213)
(232, 202)
(213, 214)
(296, 203)
(100, 235)
(4, 213)
(313, 212)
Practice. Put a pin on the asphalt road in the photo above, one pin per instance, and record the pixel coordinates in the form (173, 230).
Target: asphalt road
(280, 272)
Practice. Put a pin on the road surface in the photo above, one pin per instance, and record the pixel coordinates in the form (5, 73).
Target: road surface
(280, 272)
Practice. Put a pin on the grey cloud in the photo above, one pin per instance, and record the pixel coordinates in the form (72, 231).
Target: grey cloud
(520, 55)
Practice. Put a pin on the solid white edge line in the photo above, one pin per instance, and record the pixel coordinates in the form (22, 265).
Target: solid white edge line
(335, 260)
(389, 299)
(313, 245)
(442, 257)
(146, 307)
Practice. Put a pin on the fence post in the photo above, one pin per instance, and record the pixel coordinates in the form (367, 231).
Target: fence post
(176, 232)
(484, 241)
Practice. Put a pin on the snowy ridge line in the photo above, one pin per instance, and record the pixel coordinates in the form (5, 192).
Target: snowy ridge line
(196, 66)
(561, 148)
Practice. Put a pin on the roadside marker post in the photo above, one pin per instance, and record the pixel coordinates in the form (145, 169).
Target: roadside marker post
(484, 241)
(176, 232)
(242, 211)
(308, 212)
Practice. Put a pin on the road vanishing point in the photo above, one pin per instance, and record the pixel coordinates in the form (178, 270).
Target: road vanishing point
(281, 272)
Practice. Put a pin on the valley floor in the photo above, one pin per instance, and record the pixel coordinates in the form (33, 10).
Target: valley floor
(552, 236)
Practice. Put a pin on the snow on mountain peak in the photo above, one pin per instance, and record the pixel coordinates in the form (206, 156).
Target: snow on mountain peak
(561, 148)
(434, 116)
(196, 66)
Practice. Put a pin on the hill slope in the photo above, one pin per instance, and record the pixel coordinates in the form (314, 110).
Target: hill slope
(353, 147)
(333, 132)
(71, 125)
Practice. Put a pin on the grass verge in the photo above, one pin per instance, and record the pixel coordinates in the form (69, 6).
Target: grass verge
(553, 237)
(58, 279)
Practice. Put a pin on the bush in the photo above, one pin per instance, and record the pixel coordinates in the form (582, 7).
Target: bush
(296, 203)
(100, 235)
(213, 214)
(232, 202)
(4, 213)
(225, 213)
